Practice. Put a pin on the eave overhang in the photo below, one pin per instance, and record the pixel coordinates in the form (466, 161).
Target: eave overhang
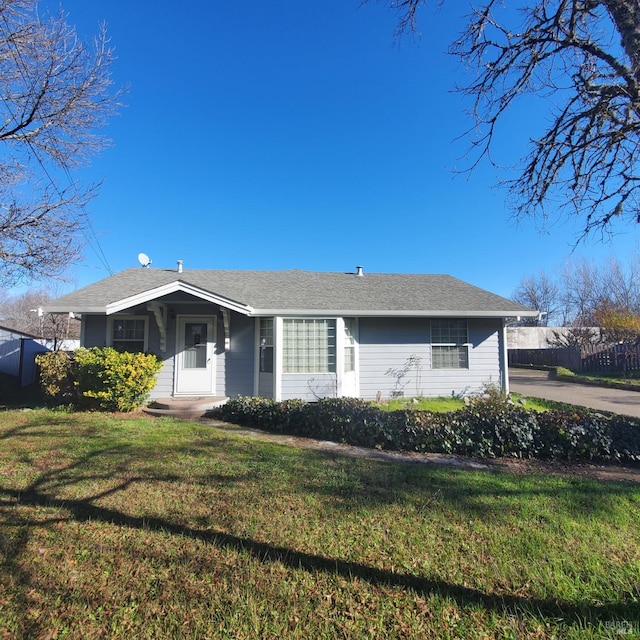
(387, 313)
(150, 295)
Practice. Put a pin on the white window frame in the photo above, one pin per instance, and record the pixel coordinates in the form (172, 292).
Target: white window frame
(332, 367)
(458, 346)
(116, 318)
(269, 342)
(349, 343)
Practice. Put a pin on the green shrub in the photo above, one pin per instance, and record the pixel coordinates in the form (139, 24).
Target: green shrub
(624, 434)
(56, 378)
(575, 435)
(112, 380)
(490, 426)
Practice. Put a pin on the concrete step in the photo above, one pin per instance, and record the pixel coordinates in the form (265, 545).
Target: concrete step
(184, 407)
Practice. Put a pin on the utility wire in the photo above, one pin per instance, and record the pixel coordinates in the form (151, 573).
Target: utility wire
(23, 70)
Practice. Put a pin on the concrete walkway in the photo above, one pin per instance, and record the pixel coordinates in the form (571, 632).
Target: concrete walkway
(537, 384)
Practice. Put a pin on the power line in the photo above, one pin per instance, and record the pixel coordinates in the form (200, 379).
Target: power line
(86, 223)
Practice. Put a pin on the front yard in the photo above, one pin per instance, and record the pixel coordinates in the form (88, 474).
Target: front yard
(131, 527)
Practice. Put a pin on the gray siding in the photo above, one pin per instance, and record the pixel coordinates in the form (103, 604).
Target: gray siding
(94, 331)
(234, 368)
(394, 355)
(164, 386)
(387, 345)
(265, 385)
(239, 360)
(309, 386)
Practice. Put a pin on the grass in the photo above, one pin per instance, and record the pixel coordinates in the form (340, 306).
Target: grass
(129, 527)
(612, 380)
(449, 403)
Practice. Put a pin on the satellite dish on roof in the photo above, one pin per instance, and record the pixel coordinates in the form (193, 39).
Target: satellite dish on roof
(144, 259)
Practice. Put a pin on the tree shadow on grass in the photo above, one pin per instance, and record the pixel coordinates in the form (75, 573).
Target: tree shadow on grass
(84, 511)
(13, 396)
(380, 482)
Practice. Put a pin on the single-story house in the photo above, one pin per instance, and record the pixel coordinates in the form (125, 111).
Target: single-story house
(301, 334)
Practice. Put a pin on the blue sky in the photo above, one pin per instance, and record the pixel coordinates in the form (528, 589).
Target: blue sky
(292, 134)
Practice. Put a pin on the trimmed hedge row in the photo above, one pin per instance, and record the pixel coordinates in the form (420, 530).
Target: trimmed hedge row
(484, 428)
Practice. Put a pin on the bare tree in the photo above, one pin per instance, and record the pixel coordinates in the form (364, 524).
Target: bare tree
(24, 313)
(621, 286)
(583, 57)
(542, 293)
(56, 95)
(578, 293)
(582, 287)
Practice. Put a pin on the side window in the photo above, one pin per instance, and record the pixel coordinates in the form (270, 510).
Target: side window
(449, 344)
(349, 344)
(128, 334)
(266, 345)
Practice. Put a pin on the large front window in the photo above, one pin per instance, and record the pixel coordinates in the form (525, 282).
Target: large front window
(128, 334)
(449, 344)
(309, 345)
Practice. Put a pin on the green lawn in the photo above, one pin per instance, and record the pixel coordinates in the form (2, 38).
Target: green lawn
(115, 527)
(446, 404)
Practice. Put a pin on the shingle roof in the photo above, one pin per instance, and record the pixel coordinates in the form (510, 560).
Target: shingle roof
(300, 291)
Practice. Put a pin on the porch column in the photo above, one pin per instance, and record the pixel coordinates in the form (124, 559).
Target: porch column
(277, 357)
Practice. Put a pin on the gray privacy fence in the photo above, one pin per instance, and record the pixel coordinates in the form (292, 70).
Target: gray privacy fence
(615, 359)
(569, 357)
(18, 352)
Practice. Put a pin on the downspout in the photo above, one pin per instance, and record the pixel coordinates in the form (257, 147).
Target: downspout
(504, 358)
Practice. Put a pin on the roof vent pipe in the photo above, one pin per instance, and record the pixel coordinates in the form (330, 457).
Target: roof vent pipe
(359, 271)
(179, 266)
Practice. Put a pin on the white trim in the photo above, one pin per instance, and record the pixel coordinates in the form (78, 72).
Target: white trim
(211, 353)
(226, 328)
(340, 347)
(173, 287)
(160, 313)
(340, 342)
(278, 357)
(81, 309)
(121, 305)
(256, 357)
(386, 313)
(504, 360)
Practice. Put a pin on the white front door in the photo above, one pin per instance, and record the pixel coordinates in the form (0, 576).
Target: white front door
(195, 342)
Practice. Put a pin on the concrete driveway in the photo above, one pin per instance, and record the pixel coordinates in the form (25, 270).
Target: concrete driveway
(537, 384)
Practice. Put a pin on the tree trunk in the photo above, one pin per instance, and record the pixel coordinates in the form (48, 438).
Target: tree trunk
(626, 16)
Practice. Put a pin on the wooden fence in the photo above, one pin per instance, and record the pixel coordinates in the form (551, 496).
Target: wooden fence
(618, 358)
